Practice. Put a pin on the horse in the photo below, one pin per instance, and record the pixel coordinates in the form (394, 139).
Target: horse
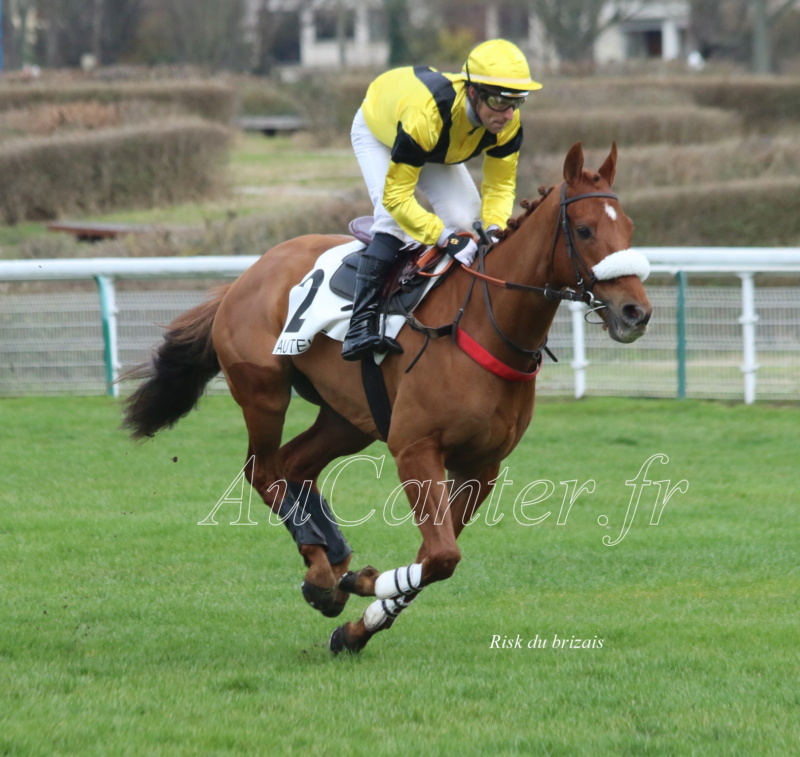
(455, 416)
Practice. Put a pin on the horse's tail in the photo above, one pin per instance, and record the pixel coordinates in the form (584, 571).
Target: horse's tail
(177, 374)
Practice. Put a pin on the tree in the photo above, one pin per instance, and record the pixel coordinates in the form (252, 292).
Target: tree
(207, 32)
(17, 17)
(398, 30)
(739, 30)
(277, 34)
(107, 30)
(575, 25)
(764, 19)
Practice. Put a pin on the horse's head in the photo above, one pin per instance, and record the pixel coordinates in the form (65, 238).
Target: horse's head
(593, 252)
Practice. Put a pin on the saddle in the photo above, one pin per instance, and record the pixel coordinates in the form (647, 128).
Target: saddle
(405, 286)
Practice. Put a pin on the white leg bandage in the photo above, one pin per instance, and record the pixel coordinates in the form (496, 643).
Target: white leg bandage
(382, 612)
(399, 582)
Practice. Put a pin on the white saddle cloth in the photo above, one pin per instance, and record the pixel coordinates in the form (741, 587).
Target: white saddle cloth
(315, 309)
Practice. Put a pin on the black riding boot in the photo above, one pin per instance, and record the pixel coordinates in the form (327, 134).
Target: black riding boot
(363, 337)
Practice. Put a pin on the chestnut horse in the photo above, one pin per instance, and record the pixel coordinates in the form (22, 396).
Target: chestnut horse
(455, 416)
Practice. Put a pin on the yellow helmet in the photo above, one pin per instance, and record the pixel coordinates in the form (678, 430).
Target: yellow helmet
(499, 64)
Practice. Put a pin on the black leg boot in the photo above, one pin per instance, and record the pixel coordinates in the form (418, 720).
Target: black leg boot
(363, 337)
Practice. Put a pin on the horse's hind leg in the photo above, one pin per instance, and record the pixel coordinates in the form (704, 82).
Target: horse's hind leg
(304, 458)
(264, 392)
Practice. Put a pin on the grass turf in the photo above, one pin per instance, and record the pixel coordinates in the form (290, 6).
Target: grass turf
(126, 628)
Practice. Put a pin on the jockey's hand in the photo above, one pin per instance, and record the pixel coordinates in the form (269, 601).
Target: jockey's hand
(462, 247)
(494, 232)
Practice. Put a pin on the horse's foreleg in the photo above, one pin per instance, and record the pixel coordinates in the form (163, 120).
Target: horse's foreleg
(396, 589)
(436, 559)
(468, 493)
(379, 616)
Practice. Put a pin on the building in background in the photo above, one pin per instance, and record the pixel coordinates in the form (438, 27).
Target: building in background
(656, 31)
(332, 33)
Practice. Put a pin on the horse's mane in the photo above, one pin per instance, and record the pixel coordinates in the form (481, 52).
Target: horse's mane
(529, 206)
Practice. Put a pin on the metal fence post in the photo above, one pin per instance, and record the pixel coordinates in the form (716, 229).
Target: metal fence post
(680, 328)
(579, 362)
(108, 314)
(748, 319)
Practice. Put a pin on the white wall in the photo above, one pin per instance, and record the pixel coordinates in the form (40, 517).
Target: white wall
(358, 51)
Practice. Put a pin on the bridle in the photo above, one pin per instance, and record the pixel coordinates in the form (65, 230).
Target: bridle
(584, 291)
(581, 293)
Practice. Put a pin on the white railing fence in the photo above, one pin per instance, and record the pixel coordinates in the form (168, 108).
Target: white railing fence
(736, 339)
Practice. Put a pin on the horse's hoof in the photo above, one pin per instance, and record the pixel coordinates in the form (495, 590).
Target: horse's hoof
(339, 641)
(336, 643)
(360, 583)
(323, 600)
(348, 582)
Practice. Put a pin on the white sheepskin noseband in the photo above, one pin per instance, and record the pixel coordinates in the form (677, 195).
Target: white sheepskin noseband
(623, 263)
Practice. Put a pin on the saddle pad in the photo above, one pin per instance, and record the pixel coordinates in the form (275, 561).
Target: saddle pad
(314, 308)
(343, 283)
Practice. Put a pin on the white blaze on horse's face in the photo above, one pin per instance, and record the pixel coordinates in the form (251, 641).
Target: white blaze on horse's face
(610, 212)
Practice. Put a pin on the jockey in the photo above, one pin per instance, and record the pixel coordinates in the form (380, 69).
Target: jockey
(414, 130)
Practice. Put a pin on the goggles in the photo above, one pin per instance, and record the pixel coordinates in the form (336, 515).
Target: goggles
(501, 103)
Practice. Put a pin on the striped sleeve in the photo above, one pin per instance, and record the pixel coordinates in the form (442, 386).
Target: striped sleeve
(498, 189)
(399, 200)
(507, 148)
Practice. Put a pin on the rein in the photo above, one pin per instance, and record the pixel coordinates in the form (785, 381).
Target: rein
(480, 354)
(584, 293)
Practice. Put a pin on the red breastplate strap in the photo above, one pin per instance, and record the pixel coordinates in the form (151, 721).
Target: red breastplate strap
(488, 361)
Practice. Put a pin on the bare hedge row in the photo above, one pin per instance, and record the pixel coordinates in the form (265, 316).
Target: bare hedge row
(210, 100)
(552, 131)
(662, 165)
(759, 212)
(683, 110)
(750, 214)
(98, 171)
(753, 213)
(761, 102)
(329, 108)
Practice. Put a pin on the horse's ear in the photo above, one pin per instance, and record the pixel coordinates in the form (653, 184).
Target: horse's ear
(609, 169)
(573, 164)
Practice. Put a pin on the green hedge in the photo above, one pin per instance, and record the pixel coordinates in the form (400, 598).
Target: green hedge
(210, 100)
(98, 171)
(752, 213)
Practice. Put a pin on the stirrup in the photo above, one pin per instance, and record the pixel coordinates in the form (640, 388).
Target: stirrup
(373, 343)
(389, 345)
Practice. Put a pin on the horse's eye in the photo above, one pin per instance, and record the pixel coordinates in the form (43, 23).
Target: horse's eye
(584, 232)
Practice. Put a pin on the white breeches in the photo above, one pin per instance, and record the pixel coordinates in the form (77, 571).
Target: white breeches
(450, 190)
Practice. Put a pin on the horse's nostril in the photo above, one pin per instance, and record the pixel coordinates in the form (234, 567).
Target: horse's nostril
(634, 314)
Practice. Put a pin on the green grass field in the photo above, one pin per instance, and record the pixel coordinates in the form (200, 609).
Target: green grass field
(127, 629)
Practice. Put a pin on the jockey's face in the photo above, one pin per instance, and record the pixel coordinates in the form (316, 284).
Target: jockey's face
(493, 120)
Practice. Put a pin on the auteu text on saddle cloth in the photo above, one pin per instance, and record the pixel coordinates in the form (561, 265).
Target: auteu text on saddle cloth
(533, 505)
